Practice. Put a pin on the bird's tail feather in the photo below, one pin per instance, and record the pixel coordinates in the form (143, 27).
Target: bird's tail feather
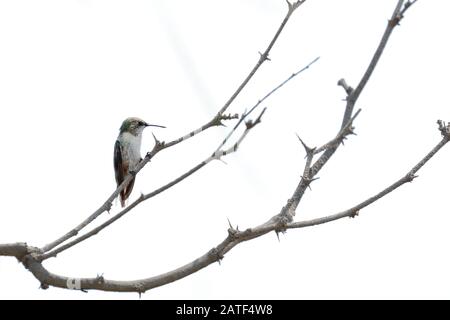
(122, 199)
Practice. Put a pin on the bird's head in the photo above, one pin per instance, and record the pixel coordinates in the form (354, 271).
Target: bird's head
(135, 126)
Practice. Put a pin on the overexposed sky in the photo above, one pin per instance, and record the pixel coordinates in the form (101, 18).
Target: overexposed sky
(71, 71)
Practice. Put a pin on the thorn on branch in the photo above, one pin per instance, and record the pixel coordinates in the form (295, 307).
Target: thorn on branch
(230, 116)
(406, 6)
(350, 131)
(290, 5)
(278, 231)
(229, 224)
(263, 56)
(216, 255)
(100, 279)
(278, 236)
(283, 218)
(158, 144)
(139, 288)
(309, 151)
(250, 124)
(107, 206)
(410, 177)
(308, 180)
(354, 214)
(217, 121)
(444, 128)
(232, 233)
(395, 21)
(43, 286)
(293, 6)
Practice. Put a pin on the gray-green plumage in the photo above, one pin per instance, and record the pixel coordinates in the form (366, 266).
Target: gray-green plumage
(127, 152)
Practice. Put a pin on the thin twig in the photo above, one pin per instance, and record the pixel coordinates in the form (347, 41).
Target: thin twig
(263, 56)
(397, 15)
(354, 94)
(216, 121)
(275, 89)
(217, 253)
(218, 154)
(346, 130)
(352, 212)
(159, 145)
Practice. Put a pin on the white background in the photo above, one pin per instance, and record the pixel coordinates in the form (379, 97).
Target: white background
(71, 71)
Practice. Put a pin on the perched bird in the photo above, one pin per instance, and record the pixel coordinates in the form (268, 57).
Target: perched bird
(127, 152)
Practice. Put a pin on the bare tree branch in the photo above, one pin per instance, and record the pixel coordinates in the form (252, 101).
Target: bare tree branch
(18, 250)
(354, 211)
(397, 15)
(352, 97)
(215, 121)
(265, 55)
(342, 134)
(217, 155)
(32, 257)
(215, 254)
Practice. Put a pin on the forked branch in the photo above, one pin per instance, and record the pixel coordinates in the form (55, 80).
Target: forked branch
(32, 257)
(215, 121)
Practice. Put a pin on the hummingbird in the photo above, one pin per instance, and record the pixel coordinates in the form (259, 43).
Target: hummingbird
(127, 152)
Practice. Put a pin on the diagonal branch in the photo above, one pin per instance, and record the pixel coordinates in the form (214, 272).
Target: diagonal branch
(18, 250)
(354, 211)
(158, 145)
(397, 15)
(271, 92)
(265, 55)
(217, 253)
(352, 97)
(217, 155)
(215, 121)
(340, 137)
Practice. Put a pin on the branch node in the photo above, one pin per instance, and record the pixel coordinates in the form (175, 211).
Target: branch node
(217, 120)
(354, 214)
(444, 128)
(309, 151)
(293, 6)
(250, 124)
(139, 288)
(232, 232)
(263, 56)
(347, 88)
(395, 21)
(406, 6)
(100, 279)
(44, 286)
(410, 177)
(107, 206)
(216, 255)
(158, 144)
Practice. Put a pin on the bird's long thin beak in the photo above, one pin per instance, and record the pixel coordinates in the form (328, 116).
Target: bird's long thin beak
(153, 125)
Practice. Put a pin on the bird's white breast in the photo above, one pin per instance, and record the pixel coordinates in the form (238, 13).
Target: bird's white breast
(131, 148)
